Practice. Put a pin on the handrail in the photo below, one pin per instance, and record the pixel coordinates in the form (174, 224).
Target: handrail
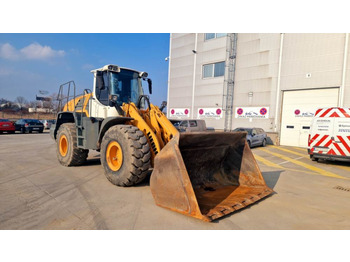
(61, 96)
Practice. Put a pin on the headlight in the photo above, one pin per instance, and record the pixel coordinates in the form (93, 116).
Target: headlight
(143, 74)
(113, 68)
(113, 98)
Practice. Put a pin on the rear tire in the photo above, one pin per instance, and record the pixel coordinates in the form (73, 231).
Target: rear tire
(314, 158)
(263, 143)
(125, 155)
(68, 153)
(249, 144)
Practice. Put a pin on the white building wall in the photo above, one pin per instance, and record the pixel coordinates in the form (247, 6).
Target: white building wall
(256, 77)
(181, 70)
(320, 55)
(308, 61)
(209, 91)
(182, 85)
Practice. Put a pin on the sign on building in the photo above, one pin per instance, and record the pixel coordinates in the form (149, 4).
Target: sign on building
(302, 112)
(210, 112)
(179, 112)
(252, 112)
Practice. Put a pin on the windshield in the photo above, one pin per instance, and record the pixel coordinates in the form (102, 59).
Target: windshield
(244, 129)
(32, 121)
(127, 85)
(175, 123)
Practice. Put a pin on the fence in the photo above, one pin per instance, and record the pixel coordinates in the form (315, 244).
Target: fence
(18, 115)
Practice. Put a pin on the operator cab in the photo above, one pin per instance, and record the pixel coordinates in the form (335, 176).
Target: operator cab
(115, 85)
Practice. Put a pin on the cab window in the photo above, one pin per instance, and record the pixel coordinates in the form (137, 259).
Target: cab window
(184, 124)
(102, 93)
(193, 123)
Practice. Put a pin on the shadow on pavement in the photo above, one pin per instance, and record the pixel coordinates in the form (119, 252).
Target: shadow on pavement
(334, 163)
(269, 141)
(271, 177)
(146, 181)
(92, 162)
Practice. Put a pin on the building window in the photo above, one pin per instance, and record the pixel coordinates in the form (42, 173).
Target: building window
(214, 70)
(209, 36)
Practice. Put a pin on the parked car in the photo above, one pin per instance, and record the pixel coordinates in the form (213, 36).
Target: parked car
(7, 126)
(189, 125)
(29, 125)
(47, 123)
(255, 136)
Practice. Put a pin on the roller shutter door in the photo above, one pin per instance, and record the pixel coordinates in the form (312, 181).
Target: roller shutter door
(297, 110)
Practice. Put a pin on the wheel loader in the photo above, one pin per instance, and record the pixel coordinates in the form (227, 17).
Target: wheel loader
(205, 175)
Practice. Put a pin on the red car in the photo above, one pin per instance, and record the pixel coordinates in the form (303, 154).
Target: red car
(7, 126)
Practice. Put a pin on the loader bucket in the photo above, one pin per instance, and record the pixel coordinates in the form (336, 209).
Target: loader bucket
(207, 175)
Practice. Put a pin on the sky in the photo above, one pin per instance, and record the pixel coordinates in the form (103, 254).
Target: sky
(33, 62)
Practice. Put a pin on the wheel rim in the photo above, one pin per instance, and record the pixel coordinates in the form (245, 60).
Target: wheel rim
(63, 145)
(114, 156)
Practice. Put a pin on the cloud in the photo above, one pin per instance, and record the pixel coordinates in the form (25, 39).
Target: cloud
(33, 51)
(7, 51)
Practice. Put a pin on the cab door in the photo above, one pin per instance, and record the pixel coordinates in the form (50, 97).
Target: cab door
(193, 126)
(341, 136)
(184, 126)
(255, 137)
(321, 135)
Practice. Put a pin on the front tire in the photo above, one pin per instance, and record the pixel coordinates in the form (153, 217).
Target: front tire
(263, 143)
(125, 155)
(68, 153)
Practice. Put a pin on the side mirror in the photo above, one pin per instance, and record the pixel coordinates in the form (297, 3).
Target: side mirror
(149, 81)
(100, 84)
(163, 105)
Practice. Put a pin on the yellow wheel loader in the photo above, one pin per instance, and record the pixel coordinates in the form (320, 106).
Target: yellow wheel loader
(205, 175)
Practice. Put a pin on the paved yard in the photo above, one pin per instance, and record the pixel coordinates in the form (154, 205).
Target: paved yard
(36, 192)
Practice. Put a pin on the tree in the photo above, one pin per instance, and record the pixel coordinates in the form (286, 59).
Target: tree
(21, 102)
(4, 103)
(33, 104)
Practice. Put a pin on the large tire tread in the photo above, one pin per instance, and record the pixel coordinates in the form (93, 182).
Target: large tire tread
(75, 156)
(136, 155)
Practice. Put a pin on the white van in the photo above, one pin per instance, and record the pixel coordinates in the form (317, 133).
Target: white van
(329, 136)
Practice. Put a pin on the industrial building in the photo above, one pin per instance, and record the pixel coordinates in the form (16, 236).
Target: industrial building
(275, 81)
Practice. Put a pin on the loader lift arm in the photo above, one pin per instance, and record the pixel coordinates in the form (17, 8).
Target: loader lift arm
(153, 123)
